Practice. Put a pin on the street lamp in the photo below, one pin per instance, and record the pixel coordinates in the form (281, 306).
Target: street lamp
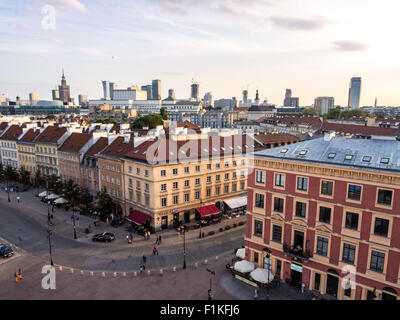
(49, 223)
(73, 215)
(212, 273)
(184, 248)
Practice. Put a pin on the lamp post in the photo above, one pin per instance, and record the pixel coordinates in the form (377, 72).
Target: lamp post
(49, 223)
(73, 215)
(184, 248)
(212, 273)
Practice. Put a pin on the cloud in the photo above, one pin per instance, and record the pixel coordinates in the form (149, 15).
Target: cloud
(293, 23)
(346, 45)
(74, 5)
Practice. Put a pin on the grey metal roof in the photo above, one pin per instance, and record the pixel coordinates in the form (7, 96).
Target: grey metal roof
(335, 152)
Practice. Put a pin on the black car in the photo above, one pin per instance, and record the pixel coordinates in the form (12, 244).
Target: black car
(105, 237)
(5, 251)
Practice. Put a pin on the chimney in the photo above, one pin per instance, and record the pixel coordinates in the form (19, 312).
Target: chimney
(328, 136)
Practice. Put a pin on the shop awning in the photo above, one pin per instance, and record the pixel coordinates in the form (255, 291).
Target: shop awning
(241, 253)
(236, 202)
(43, 194)
(208, 210)
(138, 217)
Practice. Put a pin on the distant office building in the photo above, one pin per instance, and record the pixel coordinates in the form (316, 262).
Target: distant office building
(55, 94)
(149, 89)
(245, 96)
(113, 87)
(33, 98)
(354, 93)
(208, 99)
(156, 89)
(64, 89)
(324, 104)
(226, 103)
(83, 100)
(290, 101)
(106, 90)
(194, 93)
(171, 93)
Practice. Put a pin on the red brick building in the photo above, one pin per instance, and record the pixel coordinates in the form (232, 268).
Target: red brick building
(318, 207)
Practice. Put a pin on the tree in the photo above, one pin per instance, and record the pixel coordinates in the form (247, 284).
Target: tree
(55, 184)
(335, 113)
(70, 192)
(354, 113)
(24, 176)
(38, 180)
(10, 174)
(163, 113)
(105, 204)
(309, 112)
(85, 201)
(151, 121)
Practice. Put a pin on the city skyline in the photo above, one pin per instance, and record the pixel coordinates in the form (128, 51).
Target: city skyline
(271, 45)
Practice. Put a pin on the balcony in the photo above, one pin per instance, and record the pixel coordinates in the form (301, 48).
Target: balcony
(297, 254)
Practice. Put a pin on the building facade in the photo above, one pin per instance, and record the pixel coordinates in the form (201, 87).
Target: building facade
(325, 213)
(26, 150)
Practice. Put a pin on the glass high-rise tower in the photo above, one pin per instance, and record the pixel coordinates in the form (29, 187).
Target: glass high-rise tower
(354, 93)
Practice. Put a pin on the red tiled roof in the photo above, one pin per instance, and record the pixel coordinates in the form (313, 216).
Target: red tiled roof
(241, 109)
(165, 150)
(310, 121)
(51, 134)
(3, 126)
(358, 129)
(12, 133)
(187, 124)
(100, 144)
(30, 135)
(276, 138)
(138, 217)
(118, 148)
(75, 142)
(208, 210)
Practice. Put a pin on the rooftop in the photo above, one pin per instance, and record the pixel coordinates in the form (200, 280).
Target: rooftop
(29, 136)
(75, 142)
(100, 144)
(359, 129)
(51, 134)
(12, 133)
(367, 154)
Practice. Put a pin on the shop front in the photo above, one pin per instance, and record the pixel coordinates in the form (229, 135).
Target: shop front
(235, 206)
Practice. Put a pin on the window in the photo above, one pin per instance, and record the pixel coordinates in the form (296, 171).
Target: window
(325, 214)
(259, 201)
(209, 192)
(163, 202)
(146, 173)
(217, 177)
(255, 255)
(377, 261)
(278, 205)
(322, 246)
(175, 185)
(175, 171)
(137, 171)
(385, 160)
(348, 157)
(260, 177)
(226, 164)
(209, 179)
(187, 197)
(226, 176)
(302, 184)
(226, 188)
(279, 180)
(187, 183)
(317, 281)
(147, 200)
(349, 252)
(276, 233)
(186, 169)
(367, 159)
(176, 199)
(351, 221)
(354, 192)
(218, 165)
(197, 195)
(137, 184)
(209, 166)
(385, 197)
(234, 187)
(327, 188)
(242, 186)
(164, 187)
(217, 190)
(163, 173)
(198, 168)
(258, 226)
(301, 208)
(381, 227)
(197, 181)
(146, 187)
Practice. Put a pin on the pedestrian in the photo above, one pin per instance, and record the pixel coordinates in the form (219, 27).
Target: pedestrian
(131, 236)
(144, 267)
(18, 198)
(144, 259)
(209, 294)
(303, 285)
(20, 274)
(256, 294)
(159, 240)
(154, 251)
(141, 269)
(16, 277)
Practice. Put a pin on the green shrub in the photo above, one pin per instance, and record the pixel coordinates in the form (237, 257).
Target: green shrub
(234, 225)
(241, 223)
(227, 227)
(221, 229)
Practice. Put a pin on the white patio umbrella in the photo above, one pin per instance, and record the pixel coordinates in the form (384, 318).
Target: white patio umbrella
(60, 201)
(43, 194)
(52, 197)
(241, 253)
(244, 266)
(262, 275)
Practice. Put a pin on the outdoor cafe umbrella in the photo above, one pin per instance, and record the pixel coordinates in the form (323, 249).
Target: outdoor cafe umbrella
(244, 266)
(60, 201)
(52, 197)
(241, 253)
(43, 194)
(262, 275)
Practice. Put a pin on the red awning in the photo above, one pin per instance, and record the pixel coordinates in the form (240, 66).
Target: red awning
(208, 210)
(138, 217)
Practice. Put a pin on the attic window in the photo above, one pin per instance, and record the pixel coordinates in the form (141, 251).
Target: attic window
(215, 150)
(239, 147)
(367, 159)
(348, 157)
(205, 150)
(284, 150)
(331, 155)
(303, 152)
(223, 149)
(136, 151)
(144, 152)
(385, 160)
(171, 153)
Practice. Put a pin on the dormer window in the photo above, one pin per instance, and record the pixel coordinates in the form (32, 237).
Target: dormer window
(385, 160)
(303, 152)
(284, 150)
(367, 159)
(331, 155)
(348, 157)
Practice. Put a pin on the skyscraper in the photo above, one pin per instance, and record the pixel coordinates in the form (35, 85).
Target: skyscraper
(324, 104)
(194, 94)
(156, 89)
(55, 94)
(354, 93)
(33, 98)
(149, 89)
(83, 100)
(245, 96)
(171, 93)
(208, 99)
(64, 90)
(290, 101)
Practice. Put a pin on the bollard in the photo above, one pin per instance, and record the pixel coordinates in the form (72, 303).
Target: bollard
(124, 274)
(103, 274)
(174, 269)
(72, 270)
(91, 273)
(135, 274)
(196, 265)
(205, 261)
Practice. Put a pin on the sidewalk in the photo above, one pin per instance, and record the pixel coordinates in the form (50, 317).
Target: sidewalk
(63, 225)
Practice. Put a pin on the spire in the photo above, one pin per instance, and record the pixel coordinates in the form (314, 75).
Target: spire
(63, 73)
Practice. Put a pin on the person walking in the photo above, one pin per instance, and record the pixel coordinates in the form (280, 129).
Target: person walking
(144, 259)
(18, 198)
(256, 294)
(209, 294)
(159, 240)
(154, 251)
(141, 269)
(20, 274)
(303, 286)
(16, 277)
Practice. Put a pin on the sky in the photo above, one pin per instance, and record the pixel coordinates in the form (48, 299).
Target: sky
(313, 47)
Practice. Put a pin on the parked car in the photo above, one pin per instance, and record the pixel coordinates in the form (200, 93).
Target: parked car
(105, 237)
(5, 251)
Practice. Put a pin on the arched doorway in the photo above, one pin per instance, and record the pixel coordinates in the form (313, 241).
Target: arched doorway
(332, 283)
(389, 294)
